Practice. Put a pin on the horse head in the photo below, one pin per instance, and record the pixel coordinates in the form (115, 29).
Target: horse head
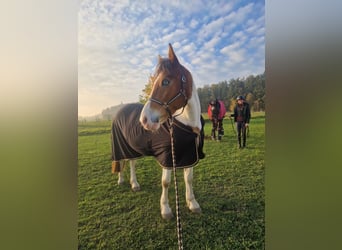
(171, 90)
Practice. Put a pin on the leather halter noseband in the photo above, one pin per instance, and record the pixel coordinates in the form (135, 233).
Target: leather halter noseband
(181, 92)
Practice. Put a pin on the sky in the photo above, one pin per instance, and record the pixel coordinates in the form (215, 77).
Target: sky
(119, 43)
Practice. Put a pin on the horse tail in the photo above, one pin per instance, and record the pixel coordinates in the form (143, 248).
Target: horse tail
(201, 154)
(116, 167)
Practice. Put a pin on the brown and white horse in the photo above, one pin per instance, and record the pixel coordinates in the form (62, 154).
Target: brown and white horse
(173, 94)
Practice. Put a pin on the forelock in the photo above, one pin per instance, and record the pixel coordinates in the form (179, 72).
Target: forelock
(164, 65)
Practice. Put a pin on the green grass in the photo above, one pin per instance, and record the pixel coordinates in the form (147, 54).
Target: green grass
(228, 184)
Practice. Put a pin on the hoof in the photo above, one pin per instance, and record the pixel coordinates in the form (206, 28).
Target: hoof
(136, 189)
(167, 216)
(196, 210)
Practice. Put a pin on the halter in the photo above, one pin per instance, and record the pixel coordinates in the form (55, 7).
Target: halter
(181, 92)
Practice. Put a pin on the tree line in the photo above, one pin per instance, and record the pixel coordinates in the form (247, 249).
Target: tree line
(252, 88)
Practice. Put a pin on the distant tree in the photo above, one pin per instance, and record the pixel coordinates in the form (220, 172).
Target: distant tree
(204, 95)
(109, 113)
(251, 87)
(146, 91)
(232, 103)
(250, 99)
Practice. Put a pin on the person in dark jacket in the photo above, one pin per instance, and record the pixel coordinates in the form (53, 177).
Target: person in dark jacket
(242, 115)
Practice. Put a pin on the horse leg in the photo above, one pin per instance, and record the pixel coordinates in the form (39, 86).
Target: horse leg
(133, 178)
(189, 192)
(213, 130)
(121, 179)
(166, 212)
(219, 129)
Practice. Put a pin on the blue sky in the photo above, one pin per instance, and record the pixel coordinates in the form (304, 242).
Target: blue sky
(119, 43)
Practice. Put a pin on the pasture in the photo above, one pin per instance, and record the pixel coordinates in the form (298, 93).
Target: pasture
(228, 184)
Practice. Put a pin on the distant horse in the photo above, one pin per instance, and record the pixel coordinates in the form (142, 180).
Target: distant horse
(141, 130)
(216, 113)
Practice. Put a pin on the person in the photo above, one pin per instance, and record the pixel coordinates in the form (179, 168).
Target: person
(216, 113)
(242, 115)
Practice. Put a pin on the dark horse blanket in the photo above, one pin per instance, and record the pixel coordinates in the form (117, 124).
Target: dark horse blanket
(131, 141)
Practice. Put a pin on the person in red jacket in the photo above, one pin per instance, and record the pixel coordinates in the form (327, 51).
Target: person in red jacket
(242, 115)
(216, 113)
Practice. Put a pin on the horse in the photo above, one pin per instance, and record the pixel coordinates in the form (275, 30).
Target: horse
(216, 113)
(144, 130)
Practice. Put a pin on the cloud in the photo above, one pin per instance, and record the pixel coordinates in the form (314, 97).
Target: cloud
(212, 27)
(240, 14)
(176, 35)
(119, 42)
(193, 23)
(230, 48)
(211, 43)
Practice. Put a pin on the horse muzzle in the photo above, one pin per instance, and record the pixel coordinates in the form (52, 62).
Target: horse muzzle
(151, 119)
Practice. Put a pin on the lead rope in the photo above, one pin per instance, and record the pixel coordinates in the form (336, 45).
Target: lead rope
(179, 225)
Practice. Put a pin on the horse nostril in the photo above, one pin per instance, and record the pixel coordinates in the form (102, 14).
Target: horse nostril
(144, 121)
(155, 119)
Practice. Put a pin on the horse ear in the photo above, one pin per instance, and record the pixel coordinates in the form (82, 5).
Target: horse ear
(172, 55)
(159, 58)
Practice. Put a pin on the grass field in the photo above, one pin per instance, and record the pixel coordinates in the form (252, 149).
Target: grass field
(228, 185)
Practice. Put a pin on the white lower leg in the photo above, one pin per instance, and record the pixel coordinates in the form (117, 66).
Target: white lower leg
(133, 178)
(189, 193)
(165, 209)
(121, 179)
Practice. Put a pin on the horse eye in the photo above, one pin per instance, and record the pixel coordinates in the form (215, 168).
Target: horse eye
(165, 82)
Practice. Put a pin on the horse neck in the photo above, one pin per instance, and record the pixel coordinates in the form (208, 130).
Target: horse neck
(191, 114)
